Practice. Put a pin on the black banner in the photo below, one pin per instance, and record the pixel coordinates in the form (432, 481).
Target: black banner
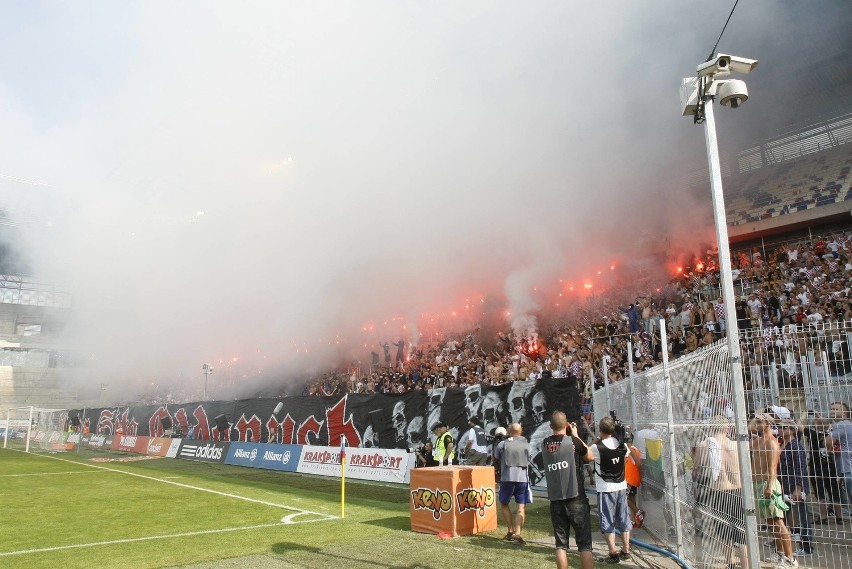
(380, 420)
(207, 451)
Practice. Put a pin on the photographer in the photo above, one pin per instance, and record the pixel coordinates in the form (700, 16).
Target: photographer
(498, 437)
(610, 455)
(569, 506)
(423, 456)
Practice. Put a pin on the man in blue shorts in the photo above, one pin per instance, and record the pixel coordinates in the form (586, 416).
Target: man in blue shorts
(514, 457)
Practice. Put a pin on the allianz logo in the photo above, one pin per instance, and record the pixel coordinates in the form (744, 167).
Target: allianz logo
(282, 457)
(243, 453)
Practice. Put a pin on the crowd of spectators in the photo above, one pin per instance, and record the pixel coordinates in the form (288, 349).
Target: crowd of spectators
(793, 287)
(796, 285)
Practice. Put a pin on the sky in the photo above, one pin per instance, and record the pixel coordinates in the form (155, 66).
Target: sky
(254, 185)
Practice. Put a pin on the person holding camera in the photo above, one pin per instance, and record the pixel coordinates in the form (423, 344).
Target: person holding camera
(569, 506)
(610, 455)
(423, 456)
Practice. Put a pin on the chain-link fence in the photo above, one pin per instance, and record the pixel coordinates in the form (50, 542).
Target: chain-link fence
(799, 380)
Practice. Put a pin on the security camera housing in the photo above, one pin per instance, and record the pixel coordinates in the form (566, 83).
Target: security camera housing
(724, 64)
(733, 93)
(719, 65)
(741, 64)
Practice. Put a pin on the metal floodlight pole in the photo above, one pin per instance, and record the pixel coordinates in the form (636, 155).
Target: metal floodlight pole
(737, 383)
(207, 371)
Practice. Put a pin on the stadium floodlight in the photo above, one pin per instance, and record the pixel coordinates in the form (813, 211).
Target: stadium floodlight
(697, 94)
(206, 370)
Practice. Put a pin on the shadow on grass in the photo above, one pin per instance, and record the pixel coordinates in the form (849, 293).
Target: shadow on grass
(284, 548)
(395, 522)
(494, 542)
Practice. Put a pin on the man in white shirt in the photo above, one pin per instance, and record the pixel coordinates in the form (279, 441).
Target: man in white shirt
(474, 444)
(610, 457)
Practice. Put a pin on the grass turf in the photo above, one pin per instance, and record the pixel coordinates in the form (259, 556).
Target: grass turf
(64, 510)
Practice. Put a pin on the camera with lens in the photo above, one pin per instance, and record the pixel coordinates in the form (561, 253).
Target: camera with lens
(622, 431)
(498, 434)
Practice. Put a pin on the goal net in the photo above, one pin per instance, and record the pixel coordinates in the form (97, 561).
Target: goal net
(48, 429)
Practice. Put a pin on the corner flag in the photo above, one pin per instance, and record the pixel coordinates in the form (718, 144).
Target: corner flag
(342, 476)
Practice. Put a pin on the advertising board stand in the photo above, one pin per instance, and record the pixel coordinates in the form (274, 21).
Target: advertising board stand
(453, 500)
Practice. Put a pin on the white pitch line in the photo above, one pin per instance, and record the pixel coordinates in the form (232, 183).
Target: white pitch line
(200, 489)
(134, 539)
(49, 473)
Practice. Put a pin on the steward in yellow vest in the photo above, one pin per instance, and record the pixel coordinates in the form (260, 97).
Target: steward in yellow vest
(445, 449)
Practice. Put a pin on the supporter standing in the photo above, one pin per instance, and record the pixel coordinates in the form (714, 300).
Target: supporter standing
(823, 470)
(610, 455)
(841, 445)
(717, 472)
(514, 457)
(569, 507)
(765, 457)
(794, 483)
(633, 477)
(475, 445)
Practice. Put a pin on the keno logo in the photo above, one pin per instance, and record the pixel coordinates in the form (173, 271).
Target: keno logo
(472, 499)
(436, 501)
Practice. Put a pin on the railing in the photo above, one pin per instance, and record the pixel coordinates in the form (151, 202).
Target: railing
(683, 421)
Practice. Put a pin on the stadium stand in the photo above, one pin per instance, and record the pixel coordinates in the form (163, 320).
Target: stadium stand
(797, 185)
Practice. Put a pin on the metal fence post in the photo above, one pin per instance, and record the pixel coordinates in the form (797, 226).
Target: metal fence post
(675, 481)
(632, 386)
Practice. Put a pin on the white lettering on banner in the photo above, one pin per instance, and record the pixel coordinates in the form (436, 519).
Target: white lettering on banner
(127, 441)
(283, 457)
(154, 446)
(210, 452)
(243, 453)
(97, 441)
(253, 454)
(558, 465)
(207, 451)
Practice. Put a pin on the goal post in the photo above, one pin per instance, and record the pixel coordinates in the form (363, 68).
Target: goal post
(23, 425)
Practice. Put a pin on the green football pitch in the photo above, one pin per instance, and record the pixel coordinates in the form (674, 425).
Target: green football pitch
(95, 509)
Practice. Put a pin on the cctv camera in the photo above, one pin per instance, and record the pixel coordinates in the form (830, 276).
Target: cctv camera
(719, 65)
(723, 64)
(741, 64)
(733, 93)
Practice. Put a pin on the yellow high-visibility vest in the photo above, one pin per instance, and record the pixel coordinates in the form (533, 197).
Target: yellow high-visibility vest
(441, 449)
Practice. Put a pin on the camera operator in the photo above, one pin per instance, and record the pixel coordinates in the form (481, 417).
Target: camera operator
(423, 456)
(569, 506)
(498, 437)
(610, 455)
(474, 444)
